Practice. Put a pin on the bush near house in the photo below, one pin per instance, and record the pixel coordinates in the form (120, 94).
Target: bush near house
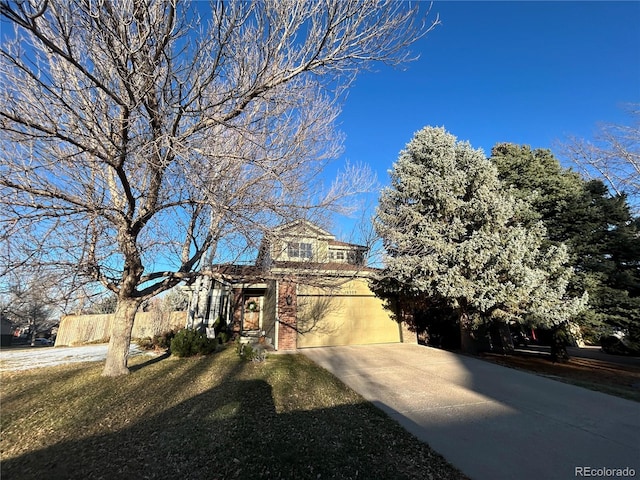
(188, 343)
(157, 342)
(251, 352)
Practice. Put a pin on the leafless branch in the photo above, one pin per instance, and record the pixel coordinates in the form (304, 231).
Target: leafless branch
(612, 155)
(141, 134)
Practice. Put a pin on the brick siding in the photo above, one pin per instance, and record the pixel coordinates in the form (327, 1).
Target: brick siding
(287, 315)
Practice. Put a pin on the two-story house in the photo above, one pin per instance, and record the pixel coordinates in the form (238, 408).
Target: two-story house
(306, 289)
(303, 242)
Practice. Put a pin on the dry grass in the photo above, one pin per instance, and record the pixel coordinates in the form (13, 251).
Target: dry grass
(619, 380)
(202, 418)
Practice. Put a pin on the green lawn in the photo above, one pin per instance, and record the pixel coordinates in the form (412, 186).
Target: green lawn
(208, 418)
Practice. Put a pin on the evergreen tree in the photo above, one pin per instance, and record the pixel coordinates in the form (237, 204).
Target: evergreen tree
(597, 227)
(538, 178)
(454, 238)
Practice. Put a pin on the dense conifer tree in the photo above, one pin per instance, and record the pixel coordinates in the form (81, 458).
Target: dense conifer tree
(454, 238)
(597, 227)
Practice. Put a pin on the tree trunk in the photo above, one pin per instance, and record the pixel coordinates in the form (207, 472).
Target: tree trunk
(467, 342)
(32, 332)
(118, 352)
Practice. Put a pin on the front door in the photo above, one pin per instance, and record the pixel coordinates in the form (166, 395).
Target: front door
(252, 313)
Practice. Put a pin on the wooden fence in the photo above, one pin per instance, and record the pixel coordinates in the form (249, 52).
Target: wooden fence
(80, 329)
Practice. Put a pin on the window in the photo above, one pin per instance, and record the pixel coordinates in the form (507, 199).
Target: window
(339, 255)
(305, 250)
(355, 258)
(299, 250)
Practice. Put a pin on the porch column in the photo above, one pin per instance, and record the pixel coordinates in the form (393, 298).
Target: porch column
(236, 310)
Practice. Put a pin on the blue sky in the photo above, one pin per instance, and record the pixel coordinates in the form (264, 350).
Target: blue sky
(524, 72)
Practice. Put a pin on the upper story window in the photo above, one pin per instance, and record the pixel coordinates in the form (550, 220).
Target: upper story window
(299, 250)
(355, 258)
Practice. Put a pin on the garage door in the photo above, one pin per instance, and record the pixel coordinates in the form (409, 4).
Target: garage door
(349, 314)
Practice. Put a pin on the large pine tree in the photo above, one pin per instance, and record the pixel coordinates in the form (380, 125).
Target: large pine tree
(597, 227)
(455, 239)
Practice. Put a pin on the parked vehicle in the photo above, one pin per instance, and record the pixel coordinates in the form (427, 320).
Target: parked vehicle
(44, 341)
(619, 344)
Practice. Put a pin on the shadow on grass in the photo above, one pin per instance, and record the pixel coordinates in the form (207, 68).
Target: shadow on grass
(153, 361)
(232, 430)
(34, 386)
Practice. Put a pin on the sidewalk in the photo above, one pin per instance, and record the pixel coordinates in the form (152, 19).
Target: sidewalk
(490, 421)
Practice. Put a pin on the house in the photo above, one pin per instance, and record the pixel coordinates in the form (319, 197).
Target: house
(301, 242)
(306, 289)
(6, 331)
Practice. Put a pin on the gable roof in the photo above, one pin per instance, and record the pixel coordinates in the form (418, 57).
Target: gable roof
(299, 228)
(337, 243)
(302, 227)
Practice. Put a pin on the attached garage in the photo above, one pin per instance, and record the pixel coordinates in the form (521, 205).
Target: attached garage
(308, 289)
(348, 314)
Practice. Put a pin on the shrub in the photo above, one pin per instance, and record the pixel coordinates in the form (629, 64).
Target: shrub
(158, 342)
(145, 343)
(164, 339)
(618, 344)
(251, 352)
(222, 337)
(188, 342)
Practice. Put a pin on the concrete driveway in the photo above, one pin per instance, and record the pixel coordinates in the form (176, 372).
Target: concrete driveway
(492, 422)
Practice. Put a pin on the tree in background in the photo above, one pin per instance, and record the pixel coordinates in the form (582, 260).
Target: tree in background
(455, 239)
(30, 303)
(613, 155)
(138, 137)
(597, 227)
(105, 305)
(539, 179)
(176, 300)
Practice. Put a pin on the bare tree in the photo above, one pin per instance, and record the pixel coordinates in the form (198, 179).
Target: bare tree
(139, 135)
(612, 155)
(31, 302)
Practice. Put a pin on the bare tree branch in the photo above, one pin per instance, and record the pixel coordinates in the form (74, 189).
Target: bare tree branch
(612, 155)
(136, 136)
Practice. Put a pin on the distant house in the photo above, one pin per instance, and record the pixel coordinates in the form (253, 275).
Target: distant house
(6, 332)
(306, 289)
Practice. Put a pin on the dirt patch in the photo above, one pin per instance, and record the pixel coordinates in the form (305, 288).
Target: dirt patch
(620, 380)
